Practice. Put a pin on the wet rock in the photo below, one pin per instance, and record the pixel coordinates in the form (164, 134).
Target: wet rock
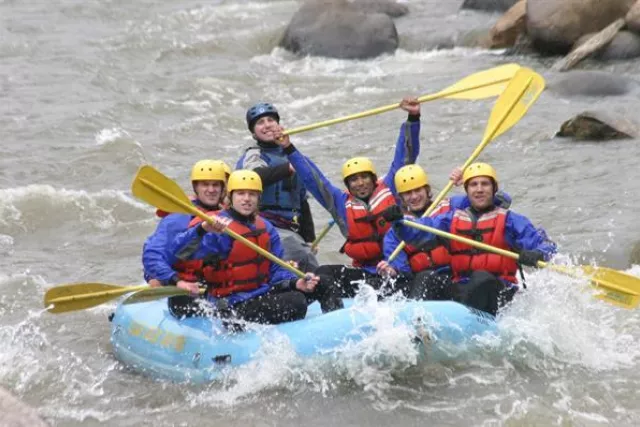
(339, 29)
(554, 26)
(488, 5)
(15, 413)
(387, 7)
(625, 45)
(634, 256)
(591, 83)
(633, 17)
(509, 27)
(598, 126)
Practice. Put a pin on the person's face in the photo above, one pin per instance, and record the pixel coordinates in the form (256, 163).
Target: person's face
(245, 202)
(416, 200)
(480, 192)
(209, 192)
(264, 128)
(361, 185)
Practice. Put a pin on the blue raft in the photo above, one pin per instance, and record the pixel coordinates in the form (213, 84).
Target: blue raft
(147, 338)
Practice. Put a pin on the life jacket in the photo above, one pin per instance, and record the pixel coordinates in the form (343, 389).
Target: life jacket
(243, 270)
(195, 270)
(366, 226)
(489, 228)
(282, 198)
(435, 254)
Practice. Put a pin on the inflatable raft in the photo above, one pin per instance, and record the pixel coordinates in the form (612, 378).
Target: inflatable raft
(147, 338)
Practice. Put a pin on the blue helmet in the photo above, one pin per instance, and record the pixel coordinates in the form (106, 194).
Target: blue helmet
(259, 110)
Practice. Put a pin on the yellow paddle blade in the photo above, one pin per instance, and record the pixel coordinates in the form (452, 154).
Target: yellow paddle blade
(484, 84)
(79, 296)
(629, 282)
(521, 92)
(151, 294)
(160, 191)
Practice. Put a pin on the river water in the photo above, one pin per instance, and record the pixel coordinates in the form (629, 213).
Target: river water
(93, 89)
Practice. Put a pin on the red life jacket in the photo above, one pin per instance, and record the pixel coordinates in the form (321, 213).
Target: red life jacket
(194, 270)
(366, 227)
(435, 255)
(489, 229)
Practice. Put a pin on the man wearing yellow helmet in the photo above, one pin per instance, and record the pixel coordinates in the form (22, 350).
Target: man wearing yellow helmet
(236, 276)
(208, 180)
(358, 211)
(482, 280)
(429, 264)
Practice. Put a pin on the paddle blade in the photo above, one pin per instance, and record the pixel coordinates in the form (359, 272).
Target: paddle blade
(484, 84)
(79, 296)
(627, 281)
(160, 191)
(521, 92)
(155, 293)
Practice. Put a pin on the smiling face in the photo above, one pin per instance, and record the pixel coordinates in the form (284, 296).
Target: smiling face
(208, 193)
(245, 202)
(416, 200)
(264, 128)
(480, 191)
(361, 184)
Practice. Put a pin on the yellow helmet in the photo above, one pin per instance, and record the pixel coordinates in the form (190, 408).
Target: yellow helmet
(227, 168)
(480, 169)
(410, 177)
(357, 165)
(208, 170)
(244, 180)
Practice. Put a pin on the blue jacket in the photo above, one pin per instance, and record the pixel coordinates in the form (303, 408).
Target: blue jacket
(401, 262)
(156, 257)
(190, 244)
(333, 198)
(519, 233)
(282, 197)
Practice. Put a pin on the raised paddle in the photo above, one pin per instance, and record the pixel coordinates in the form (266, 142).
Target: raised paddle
(523, 90)
(323, 233)
(616, 287)
(160, 191)
(78, 296)
(483, 84)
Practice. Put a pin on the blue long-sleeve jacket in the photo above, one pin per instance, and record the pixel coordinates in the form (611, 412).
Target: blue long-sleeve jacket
(192, 244)
(156, 256)
(334, 198)
(520, 233)
(391, 241)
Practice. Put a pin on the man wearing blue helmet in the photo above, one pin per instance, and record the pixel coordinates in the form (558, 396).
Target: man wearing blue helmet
(284, 199)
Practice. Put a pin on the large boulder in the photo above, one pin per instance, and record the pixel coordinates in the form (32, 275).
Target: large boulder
(488, 5)
(340, 29)
(591, 83)
(14, 413)
(554, 26)
(509, 27)
(598, 126)
(633, 17)
(625, 45)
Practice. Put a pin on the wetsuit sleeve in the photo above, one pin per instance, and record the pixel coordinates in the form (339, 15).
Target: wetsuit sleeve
(268, 174)
(421, 238)
(156, 254)
(328, 195)
(401, 262)
(521, 234)
(407, 150)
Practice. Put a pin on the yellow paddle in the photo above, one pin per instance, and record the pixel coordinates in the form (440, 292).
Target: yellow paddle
(616, 287)
(323, 233)
(523, 90)
(78, 296)
(484, 84)
(160, 191)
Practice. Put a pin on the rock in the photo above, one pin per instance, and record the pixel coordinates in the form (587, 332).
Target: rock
(634, 257)
(387, 7)
(509, 27)
(598, 126)
(591, 83)
(488, 5)
(554, 26)
(338, 29)
(625, 45)
(633, 17)
(17, 414)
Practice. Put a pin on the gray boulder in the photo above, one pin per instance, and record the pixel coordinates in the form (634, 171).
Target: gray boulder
(340, 29)
(633, 17)
(590, 83)
(554, 26)
(488, 5)
(625, 45)
(598, 126)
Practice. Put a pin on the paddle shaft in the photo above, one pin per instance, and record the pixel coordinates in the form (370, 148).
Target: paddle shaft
(114, 293)
(323, 233)
(194, 211)
(425, 98)
(485, 141)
